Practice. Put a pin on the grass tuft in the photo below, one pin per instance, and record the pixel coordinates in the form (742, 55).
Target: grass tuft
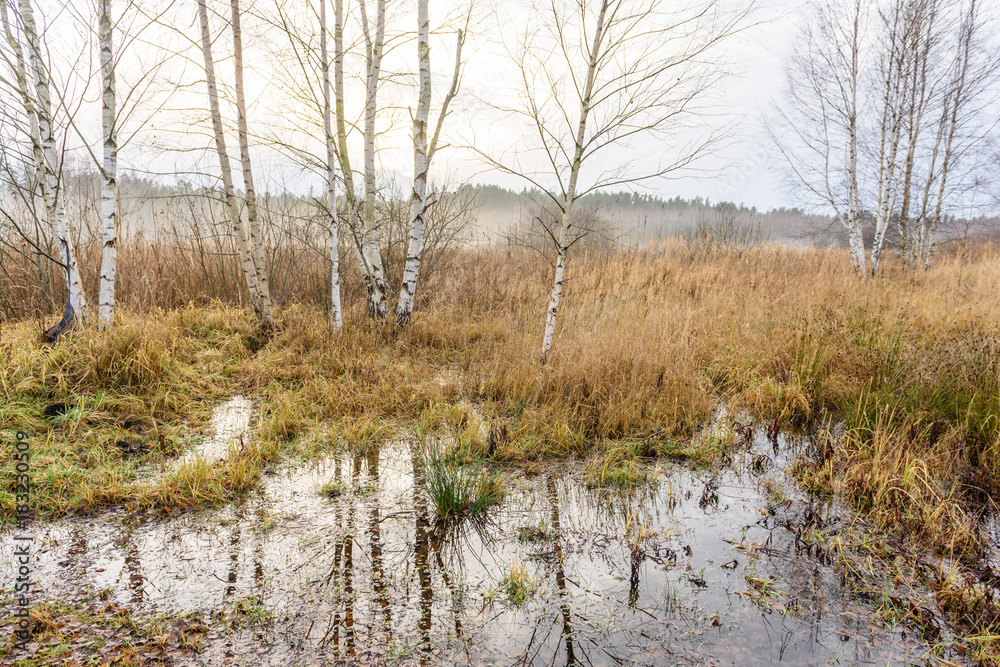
(518, 584)
(459, 490)
(620, 466)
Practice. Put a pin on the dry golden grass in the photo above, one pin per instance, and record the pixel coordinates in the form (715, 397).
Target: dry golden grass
(649, 342)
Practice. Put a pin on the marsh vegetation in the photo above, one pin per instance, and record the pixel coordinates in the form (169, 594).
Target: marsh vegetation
(610, 428)
(872, 401)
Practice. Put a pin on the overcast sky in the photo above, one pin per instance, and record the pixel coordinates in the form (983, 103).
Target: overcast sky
(743, 170)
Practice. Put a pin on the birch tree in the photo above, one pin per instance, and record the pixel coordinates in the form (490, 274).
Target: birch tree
(423, 154)
(920, 89)
(109, 172)
(120, 102)
(598, 81)
(896, 60)
(361, 221)
(819, 114)
(372, 218)
(373, 265)
(966, 101)
(24, 171)
(40, 115)
(256, 241)
(884, 104)
(303, 76)
(355, 221)
(36, 172)
(331, 175)
(235, 218)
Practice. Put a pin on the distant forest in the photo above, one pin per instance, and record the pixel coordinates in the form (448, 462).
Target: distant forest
(495, 196)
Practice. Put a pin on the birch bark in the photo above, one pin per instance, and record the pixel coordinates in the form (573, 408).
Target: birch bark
(76, 302)
(331, 176)
(921, 232)
(423, 154)
(418, 199)
(355, 220)
(235, 219)
(916, 108)
(109, 189)
(38, 177)
(375, 279)
(567, 213)
(893, 103)
(255, 240)
(855, 236)
(923, 91)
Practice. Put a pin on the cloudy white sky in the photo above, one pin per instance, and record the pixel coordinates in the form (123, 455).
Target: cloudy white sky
(743, 170)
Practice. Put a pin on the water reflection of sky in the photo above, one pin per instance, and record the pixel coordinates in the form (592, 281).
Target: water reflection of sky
(370, 570)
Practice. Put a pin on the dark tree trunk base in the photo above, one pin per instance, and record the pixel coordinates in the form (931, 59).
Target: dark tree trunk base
(63, 326)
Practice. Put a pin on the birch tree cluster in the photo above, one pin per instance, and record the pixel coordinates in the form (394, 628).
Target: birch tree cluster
(40, 165)
(888, 112)
(50, 114)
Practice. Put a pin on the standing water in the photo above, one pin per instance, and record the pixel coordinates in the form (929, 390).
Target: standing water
(692, 567)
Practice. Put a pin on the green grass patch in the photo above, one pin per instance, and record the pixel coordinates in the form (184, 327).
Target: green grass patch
(458, 490)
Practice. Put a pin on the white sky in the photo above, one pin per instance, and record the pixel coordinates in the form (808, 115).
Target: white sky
(744, 170)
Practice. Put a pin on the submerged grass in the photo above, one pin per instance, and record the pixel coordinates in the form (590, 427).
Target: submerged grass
(622, 465)
(518, 584)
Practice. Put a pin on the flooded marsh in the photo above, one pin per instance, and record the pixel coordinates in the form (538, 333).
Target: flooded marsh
(344, 560)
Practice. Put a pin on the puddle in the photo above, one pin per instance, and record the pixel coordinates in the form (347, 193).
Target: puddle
(693, 569)
(231, 427)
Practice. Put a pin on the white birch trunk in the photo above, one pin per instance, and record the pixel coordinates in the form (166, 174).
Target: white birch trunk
(375, 279)
(422, 156)
(918, 251)
(929, 243)
(917, 106)
(331, 177)
(893, 102)
(929, 239)
(853, 222)
(855, 237)
(20, 68)
(418, 199)
(256, 241)
(905, 240)
(887, 191)
(109, 189)
(567, 216)
(917, 99)
(355, 221)
(76, 302)
(235, 219)
(886, 196)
